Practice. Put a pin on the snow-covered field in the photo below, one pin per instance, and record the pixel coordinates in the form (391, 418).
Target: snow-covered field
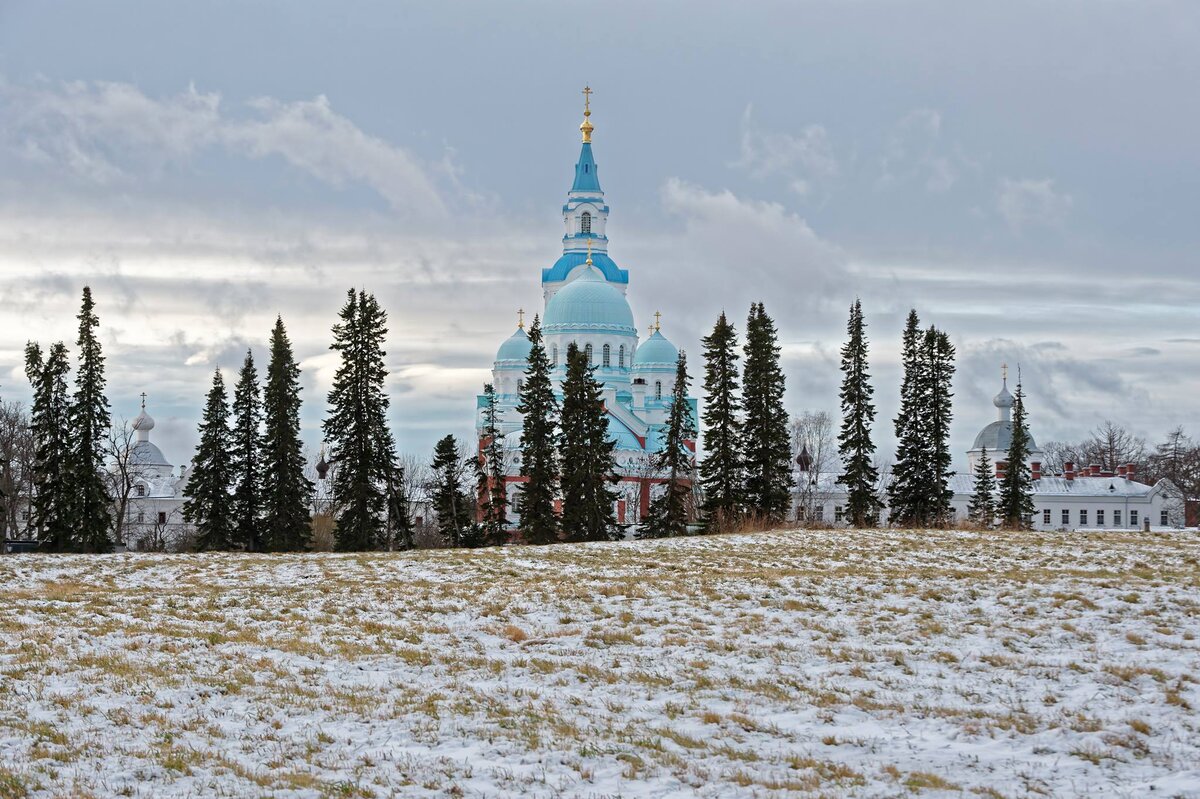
(823, 663)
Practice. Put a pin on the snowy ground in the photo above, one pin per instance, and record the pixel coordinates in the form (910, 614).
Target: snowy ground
(799, 663)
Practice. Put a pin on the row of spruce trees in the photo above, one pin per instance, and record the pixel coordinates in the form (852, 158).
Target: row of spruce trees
(248, 488)
(918, 493)
(69, 508)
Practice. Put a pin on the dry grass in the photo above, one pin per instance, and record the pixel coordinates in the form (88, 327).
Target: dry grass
(814, 662)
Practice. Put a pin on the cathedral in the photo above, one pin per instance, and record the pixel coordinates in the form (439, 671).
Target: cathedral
(585, 301)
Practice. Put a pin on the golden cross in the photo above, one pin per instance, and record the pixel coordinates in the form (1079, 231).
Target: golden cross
(1004, 371)
(521, 318)
(587, 99)
(657, 320)
(589, 246)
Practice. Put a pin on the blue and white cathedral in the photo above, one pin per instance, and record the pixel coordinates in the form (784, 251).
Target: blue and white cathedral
(585, 302)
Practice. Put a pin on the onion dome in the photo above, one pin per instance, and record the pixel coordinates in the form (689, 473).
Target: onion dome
(656, 353)
(322, 465)
(144, 422)
(804, 460)
(589, 303)
(515, 349)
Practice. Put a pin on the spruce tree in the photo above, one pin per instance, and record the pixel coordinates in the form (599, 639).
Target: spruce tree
(586, 455)
(939, 411)
(539, 446)
(1015, 505)
(668, 514)
(450, 502)
(89, 422)
(721, 475)
(367, 489)
(858, 413)
(767, 441)
(493, 495)
(907, 492)
(286, 491)
(246, 458)
(982, 508)
(209, 505)
(52, 505)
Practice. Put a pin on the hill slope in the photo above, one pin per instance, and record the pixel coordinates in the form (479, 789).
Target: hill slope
(830, 663)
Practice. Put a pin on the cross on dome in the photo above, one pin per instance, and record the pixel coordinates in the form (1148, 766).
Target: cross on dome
(521, 318)
(657, 321)
(586, 128)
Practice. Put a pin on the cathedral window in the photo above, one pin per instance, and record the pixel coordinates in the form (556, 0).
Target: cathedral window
(141, 490)
(621, 357)
(658, 389)
(520, 386)
(554, 357)
(585, 223)
(607, 356)
(588, 351)
(162, 517)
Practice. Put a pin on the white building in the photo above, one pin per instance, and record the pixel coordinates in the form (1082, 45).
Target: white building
(154, 509)
(1078, 499)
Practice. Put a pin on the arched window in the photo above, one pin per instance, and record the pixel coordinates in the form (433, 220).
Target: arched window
(607, 356)
(658, 389)
(520, 386)
(585, 223)
(588, 351)
(554, 356)
(621, 357)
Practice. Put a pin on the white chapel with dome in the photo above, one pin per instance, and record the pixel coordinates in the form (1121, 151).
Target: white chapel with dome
(585, 297)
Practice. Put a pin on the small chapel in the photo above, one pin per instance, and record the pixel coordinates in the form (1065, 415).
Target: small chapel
(585, 297)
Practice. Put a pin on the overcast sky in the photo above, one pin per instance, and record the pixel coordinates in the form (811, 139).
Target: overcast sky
(1026, 176)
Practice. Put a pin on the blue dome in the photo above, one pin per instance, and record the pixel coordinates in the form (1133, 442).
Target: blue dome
(568, 261)
(589, 303)
(515, 348)
(656, 353)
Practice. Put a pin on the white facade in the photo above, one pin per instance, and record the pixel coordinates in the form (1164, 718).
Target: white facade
(1078, 499)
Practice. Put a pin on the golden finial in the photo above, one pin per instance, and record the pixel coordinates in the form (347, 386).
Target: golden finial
(650, 329)
(589, 258)
(586, 128)
(657, 320)
(1004, 371)
(520, 318)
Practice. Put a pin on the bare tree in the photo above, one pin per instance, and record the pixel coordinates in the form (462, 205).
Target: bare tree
(123, 474)
(17, 451)
(1108, 446)
(1177, 459)
(813, 437)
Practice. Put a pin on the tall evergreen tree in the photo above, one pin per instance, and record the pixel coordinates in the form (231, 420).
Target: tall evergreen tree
(539, 446)
(858, 413)
(982, 508)
(721, 472)
(209, 505)
(89, 423)
(939, 359)
(907, 492)
(586, 455)
(246, 458)
(1015, 505)
(669, 510)
(450, 501)
(767, 439)
(493, 495)
(52, 504)
(286, 491)
(366, 484)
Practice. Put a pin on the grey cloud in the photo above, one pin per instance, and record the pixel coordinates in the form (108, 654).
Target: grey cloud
(1027, 202)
